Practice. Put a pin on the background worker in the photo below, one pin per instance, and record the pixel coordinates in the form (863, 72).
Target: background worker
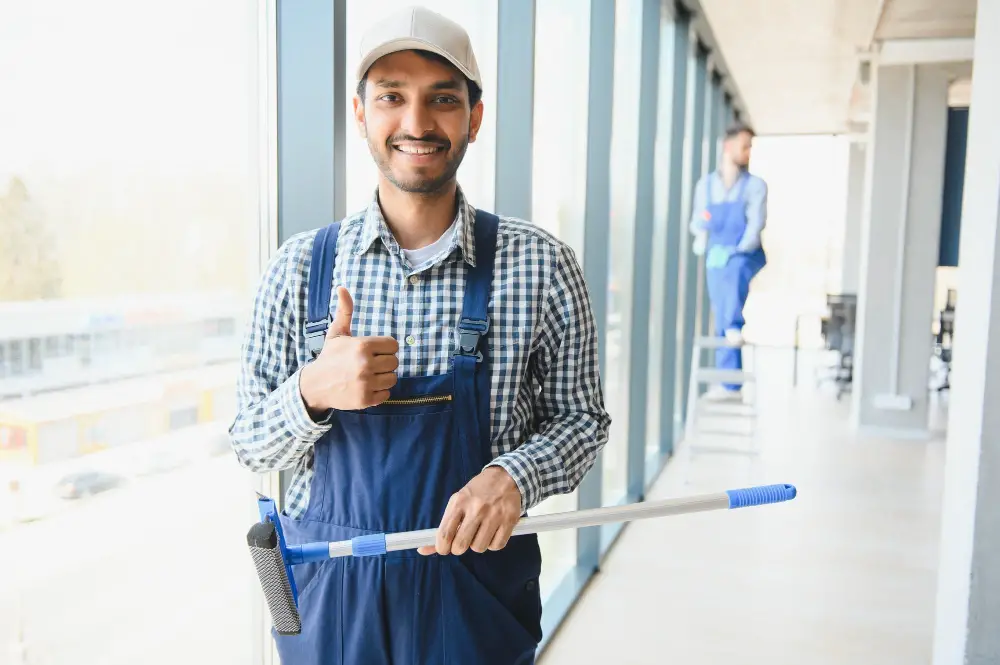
(728, 214)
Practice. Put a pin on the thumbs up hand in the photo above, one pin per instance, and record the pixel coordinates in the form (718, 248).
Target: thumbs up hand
(350, 372)
(341, 325)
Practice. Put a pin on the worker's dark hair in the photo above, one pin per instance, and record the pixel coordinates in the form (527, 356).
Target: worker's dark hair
(475, 92)
(737, 129)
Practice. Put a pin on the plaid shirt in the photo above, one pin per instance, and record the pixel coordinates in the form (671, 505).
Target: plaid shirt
(548, 420)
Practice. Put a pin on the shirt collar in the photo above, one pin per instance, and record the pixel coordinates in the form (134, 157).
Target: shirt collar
(742, 171)
(375, 228)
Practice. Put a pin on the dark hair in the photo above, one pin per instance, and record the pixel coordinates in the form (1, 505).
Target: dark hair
(475, 92)
(737, 129)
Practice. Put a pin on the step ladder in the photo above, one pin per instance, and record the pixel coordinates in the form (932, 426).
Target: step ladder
(743, 408)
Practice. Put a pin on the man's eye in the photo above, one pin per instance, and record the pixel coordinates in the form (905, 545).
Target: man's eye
(389, 97)
(446, 99)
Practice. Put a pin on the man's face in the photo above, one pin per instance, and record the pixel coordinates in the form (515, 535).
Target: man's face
(738, 149)
(417, 121)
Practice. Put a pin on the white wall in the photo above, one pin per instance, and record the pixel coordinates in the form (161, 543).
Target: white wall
(806, 179)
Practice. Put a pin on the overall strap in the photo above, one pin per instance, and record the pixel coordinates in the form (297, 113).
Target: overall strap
(478, 284)
(324, 257)
(471, 357)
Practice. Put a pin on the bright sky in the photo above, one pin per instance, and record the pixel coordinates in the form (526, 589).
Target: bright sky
(134, 82)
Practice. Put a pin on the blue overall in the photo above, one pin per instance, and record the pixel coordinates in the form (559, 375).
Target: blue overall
(728, 271)
(393, 468)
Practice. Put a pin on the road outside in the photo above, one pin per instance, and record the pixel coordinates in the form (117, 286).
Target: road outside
(155, 571)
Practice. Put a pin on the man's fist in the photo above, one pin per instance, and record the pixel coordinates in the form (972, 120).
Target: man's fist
(480, 516)
(350, 372)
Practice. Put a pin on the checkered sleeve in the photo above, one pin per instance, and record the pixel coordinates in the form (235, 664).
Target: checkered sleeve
(571, 421)
(272, 429)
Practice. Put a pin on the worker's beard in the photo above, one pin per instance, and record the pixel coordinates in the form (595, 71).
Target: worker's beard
(415, 181)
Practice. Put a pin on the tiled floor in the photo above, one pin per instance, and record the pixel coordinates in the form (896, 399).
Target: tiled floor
(845, 573)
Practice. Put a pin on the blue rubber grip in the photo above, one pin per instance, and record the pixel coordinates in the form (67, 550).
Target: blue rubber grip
(758, 496)
(370, 545)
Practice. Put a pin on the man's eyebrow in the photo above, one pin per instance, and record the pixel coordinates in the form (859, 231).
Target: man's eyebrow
(449, 84)
(444, 84)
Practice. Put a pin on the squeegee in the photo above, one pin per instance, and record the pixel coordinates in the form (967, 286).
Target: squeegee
(274, 558)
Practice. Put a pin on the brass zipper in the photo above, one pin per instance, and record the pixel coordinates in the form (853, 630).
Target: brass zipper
(431, 399)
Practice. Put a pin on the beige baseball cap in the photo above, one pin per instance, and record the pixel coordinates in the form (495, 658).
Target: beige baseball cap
(418, 28)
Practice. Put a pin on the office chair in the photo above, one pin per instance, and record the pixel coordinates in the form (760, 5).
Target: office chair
(944, 340)
(838, 329)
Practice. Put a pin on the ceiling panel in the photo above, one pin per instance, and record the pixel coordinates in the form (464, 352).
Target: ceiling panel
(796, 62)
(793, 60)
(927, 19)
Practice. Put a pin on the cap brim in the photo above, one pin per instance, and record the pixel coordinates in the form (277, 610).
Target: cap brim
(407, 44)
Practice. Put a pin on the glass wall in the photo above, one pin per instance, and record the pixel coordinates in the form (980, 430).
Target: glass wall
(129, 250)
(135, 217)
(476, 175)
(624, 164)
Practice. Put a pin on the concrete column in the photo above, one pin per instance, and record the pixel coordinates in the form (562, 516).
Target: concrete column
(851, 263)
(899, 249)
(968, 601)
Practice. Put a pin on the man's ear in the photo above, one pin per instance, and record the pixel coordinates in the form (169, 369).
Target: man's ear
(475, 121)
(359, 116)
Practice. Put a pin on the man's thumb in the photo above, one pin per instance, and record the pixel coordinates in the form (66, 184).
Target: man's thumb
(341, 326)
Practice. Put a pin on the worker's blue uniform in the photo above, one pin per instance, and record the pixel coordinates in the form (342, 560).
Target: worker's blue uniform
(393, 468)
(729, 271)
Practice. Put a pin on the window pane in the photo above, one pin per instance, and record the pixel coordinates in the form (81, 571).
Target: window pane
(624, 174)
(475, 176)
(558, 183)
(129, 219)
(658, 422)
(559, 167)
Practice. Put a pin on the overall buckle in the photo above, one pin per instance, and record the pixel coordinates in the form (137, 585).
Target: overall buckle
(467, 337)
(316, 335)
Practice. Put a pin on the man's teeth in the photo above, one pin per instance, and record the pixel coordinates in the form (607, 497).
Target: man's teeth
(417, 150)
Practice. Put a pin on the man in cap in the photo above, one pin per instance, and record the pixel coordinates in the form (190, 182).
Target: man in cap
(420, 365)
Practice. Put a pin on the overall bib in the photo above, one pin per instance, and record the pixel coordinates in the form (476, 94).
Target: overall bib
(393, 468)
(729, 272)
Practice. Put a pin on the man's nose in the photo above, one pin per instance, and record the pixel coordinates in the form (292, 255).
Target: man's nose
(417, 121)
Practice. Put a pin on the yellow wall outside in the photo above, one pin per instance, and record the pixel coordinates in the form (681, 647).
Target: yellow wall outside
(159, 420)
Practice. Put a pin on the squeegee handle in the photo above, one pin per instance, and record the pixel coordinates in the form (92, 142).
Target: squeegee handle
(380, 543)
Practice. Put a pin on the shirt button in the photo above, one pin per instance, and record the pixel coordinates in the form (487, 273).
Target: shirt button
(414, 280)
(411, 340)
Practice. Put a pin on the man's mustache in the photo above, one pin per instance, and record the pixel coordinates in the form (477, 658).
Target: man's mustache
(432, 140)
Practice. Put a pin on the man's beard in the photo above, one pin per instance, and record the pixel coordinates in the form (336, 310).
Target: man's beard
(418, 184)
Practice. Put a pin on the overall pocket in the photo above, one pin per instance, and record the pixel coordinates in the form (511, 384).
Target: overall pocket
(512, 575)
(481, 628)
(392, 472)
(321, 609)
